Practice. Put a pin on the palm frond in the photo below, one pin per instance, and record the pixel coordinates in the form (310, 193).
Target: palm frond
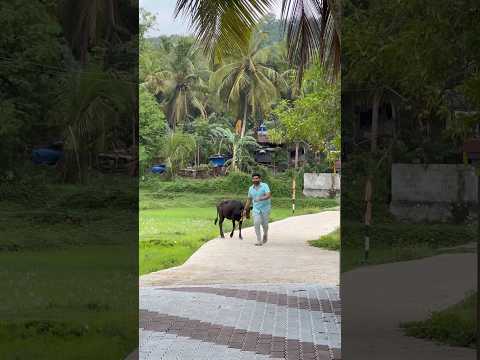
(196, 103)
(223, 24)
(304, 31)
(224, 27)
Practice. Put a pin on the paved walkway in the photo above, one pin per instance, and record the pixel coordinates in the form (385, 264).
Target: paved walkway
(286, 258)
(235, 301)
(372, 327)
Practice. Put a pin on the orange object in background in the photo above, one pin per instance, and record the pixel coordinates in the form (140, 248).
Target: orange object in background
(238, 127)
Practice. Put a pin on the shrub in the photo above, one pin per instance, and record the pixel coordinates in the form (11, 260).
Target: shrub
(407, 235)
(455, 326)
(235, 183)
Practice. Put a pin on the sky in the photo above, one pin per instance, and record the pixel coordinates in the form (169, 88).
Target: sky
(166, 24)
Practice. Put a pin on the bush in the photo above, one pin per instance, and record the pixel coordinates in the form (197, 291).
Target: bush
(235, 183)
(407, 235)
(455, 326)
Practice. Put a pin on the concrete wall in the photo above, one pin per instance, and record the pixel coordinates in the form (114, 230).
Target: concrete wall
(321, 185)
(429, 192)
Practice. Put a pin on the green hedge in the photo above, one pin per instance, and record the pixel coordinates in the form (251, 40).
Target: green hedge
(234, 183)
(407, 235)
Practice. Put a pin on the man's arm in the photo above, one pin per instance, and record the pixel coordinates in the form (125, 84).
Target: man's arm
(247, 203)
(267, 196)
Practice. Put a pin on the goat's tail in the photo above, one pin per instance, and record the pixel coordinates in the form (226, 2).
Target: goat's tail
(216, 220)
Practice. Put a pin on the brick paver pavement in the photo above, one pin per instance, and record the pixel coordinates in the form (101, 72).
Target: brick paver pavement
(248, 322)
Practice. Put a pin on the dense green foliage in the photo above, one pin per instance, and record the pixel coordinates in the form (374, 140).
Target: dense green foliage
(314, 117)
(29, 43)
(235, 181)
(152, 127)
(421, 59)
(53, 89)
(67, 75)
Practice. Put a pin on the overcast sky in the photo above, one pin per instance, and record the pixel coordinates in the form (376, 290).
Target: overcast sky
(166, 24)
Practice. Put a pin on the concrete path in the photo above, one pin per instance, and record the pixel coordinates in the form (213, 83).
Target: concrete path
(235, 301)
(286, 258)
(376, 299)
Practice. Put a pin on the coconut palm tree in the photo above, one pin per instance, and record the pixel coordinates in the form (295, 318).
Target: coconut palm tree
(312, 26)
(89, 106)
(247, 80)
(182, 87)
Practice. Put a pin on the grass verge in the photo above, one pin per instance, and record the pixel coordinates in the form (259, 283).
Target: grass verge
(401, 242)
(454, 326)
(330, 241)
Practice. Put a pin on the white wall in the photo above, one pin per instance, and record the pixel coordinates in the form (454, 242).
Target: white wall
(321, 184)
(427, 192)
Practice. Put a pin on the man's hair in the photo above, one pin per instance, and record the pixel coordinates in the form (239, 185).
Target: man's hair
(256, 174)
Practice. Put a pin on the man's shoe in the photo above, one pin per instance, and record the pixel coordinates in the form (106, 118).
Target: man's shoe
(265, 239)
(258, 244)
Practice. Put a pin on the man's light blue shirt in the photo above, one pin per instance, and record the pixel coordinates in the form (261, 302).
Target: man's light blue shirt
(263, 206)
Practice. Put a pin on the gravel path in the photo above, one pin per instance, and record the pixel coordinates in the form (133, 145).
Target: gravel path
(286, 258)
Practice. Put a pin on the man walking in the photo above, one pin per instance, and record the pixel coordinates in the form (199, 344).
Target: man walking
(260, 196)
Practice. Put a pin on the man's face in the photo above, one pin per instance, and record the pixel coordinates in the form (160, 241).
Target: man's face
(256, 180)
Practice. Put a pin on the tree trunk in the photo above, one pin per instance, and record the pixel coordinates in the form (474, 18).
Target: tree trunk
(234, 158)
(76, 154)
(369, 182)
(374, 130)
(394, 119)
(297, 145)
(244, 122)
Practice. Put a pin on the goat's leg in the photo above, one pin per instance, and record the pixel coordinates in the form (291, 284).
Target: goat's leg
(240, 228)
(233, 222)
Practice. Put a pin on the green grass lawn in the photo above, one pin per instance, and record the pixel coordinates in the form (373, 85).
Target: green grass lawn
(68, 273)
(173, 225)
(455, 326)
(56, 312)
